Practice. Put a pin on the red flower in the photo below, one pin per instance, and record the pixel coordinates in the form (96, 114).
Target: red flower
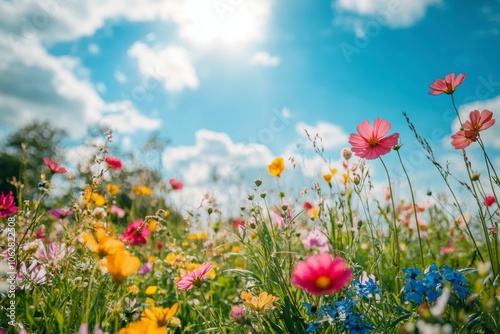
(114, 163)
(371, 143)
(54, 166)
(321, 275)
(7, 206)
(479, 122)
(307, 205)
(159, 245)
(462, 139)
(176, 184)
(448, 85)
(489, 200)
(136, 233)
(194, 278)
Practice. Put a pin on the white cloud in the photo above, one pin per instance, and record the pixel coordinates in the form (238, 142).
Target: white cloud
(123, 117)
(330, 136)
(94, 48)
(120, 77)
(263, 58)
(361, 14)
(37, 85)
(101, 87)
(171, 65)
(491, 136)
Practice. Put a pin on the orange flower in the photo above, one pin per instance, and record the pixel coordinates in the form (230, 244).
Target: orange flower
(122, 264)
(328, 177)
(276, 167)
(105, 244)
(262, 302)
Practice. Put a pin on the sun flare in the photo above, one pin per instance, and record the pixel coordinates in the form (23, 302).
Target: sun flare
(224, 21)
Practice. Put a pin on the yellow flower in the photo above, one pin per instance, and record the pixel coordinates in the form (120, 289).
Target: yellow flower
(235, 249)
(328, 177)
(146, 191)
(105, 244)
(122, 264)
(133, 289)
(91, 196)
(313, 213)
(334, 171)
(276, 167)
(262, 302)
(137, 190)
(152, 225)
(175, 260)
(151, 259)
(160, 315)
(151, 290)
(153, 321)
(113, 189)
(199, 236)
(345, 176)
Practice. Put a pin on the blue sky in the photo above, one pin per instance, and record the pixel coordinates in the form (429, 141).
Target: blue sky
(232, 83)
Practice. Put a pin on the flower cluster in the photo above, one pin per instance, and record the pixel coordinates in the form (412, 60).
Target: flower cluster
(430, 284)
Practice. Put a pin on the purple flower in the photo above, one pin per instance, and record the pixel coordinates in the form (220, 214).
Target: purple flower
(61, 212)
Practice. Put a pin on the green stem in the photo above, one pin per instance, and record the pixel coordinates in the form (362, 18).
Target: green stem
(395, 227)
(414, 210)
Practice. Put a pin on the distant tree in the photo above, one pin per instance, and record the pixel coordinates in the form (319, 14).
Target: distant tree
(21, 155)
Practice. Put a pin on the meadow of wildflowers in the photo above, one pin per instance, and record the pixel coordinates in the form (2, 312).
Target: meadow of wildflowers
(111, 256)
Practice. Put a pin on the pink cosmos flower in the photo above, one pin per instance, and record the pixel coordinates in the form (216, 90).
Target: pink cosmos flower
(53, 253)
(136, 233)
(316, 240)
(448, 85)
(35, 273)
(114, 163)
(479, 121)
(117, 211)
(321, 275)
(238, 313)
(176, 184)
(195, 277)
(462, 139)
(371, 143)
(54, 166)
(60, 213)
(489, 200)
(7, 206)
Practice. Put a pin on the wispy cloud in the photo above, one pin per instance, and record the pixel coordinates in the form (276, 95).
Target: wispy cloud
(264, 58)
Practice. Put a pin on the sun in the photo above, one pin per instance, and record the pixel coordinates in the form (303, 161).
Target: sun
(224, 21)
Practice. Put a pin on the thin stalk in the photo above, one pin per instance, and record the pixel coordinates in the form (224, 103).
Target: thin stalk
(414, 210)
(395, 227)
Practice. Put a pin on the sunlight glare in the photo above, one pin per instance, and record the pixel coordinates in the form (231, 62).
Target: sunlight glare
(224, 22)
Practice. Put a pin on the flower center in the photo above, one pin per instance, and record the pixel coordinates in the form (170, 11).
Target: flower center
(373, 141)
(323, 282)
(2, 207)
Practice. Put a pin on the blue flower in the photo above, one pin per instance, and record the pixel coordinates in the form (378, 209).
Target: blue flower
(312, 327)
(366, 289)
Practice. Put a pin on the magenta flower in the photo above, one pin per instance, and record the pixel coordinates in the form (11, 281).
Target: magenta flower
(321, 275)
(194, 278)
(462, 139)
(479, 121)
(176, 184)
(54, 166)
(7, 206)
(371, 143)
(448, 85)
(489, 200)
(136, 233)
(117, 211)
(113, 163)
(60, 213)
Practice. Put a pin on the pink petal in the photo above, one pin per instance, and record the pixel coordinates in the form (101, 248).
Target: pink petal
(380, 127)
(365, 129)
